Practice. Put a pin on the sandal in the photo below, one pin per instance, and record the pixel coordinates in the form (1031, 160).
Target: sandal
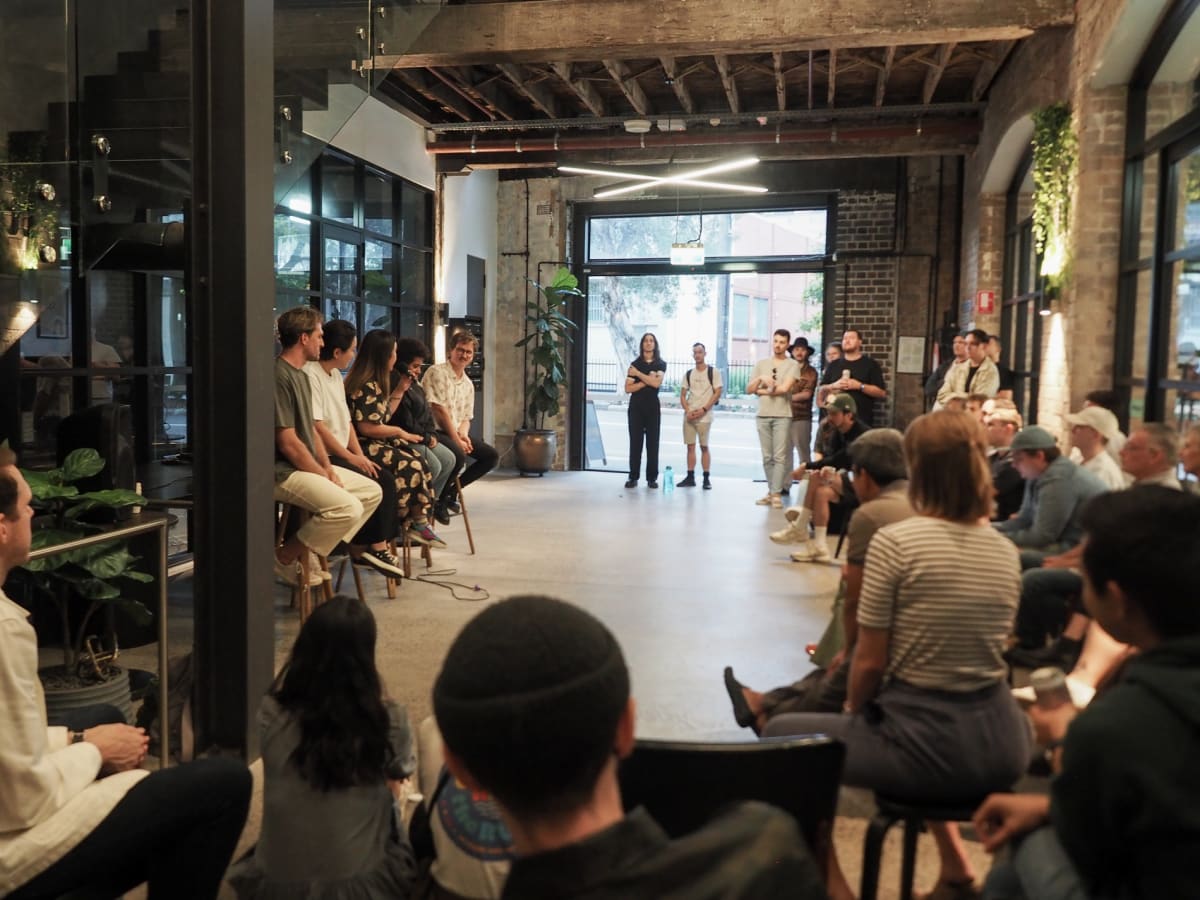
(742, 713)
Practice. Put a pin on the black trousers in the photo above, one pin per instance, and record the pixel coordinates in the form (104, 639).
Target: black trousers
(644, 425)
(176, 829)
(483, 459)
(382, 524)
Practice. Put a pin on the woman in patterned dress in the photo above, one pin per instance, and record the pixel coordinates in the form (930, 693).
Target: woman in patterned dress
(368, 386)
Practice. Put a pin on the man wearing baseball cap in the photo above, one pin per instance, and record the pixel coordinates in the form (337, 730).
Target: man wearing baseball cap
(1091, 430)
(1055, 491)
(828, 487)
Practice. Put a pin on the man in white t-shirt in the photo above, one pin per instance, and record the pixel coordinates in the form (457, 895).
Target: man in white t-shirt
(1091, 430)
(771, 381)
(331, 421)
(700, 393)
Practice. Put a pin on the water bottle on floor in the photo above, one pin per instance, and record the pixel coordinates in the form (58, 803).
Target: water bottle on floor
(668, 480)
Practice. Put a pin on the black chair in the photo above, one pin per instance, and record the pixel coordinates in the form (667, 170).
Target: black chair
(684, 785)
(914, 814)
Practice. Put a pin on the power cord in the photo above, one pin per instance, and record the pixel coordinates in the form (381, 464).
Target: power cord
(479, 593)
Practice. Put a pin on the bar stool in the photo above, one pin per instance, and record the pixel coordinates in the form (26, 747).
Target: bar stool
(462, 508)
(302, 590)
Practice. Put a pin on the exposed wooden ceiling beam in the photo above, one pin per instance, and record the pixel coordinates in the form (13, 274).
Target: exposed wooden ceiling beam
(729, 82)
(934, 76)
(615, 29)
(881, 79)
(538, 94)
(628, 84)
(484, 92)
(987, 71)
(584, 89)
(832, 76)
(682, 94)
(437, 92)
(780, 81)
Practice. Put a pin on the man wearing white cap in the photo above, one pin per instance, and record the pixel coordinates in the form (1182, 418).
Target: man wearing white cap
(1091, 430)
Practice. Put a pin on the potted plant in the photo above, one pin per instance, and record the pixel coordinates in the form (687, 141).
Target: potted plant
(547, 334)
(28, 217)
(80, 583)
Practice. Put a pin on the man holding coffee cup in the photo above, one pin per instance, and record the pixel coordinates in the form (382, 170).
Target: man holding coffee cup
(855, 374)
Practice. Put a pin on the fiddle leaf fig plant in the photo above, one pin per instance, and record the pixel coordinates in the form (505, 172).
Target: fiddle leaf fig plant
(548, 332)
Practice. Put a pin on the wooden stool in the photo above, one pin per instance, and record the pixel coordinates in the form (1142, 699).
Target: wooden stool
(406, 548)
(462, 506)
(302, 591)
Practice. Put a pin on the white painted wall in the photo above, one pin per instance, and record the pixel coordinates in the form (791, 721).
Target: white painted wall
(373, 132)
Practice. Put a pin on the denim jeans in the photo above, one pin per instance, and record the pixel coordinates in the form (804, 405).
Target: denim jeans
(1038, 868)
(773, 436)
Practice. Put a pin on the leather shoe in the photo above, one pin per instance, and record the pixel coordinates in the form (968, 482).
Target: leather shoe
(742, 713)
(631, 483)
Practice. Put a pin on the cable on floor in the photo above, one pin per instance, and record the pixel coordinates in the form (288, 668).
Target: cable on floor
(478, 594)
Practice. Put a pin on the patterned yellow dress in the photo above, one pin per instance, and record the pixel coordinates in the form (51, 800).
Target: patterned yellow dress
(414, 491)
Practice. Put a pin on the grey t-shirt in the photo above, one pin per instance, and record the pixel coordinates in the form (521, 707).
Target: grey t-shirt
(890, 506)
(293, 409)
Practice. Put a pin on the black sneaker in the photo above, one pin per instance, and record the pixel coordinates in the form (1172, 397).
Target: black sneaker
(690, 481)
(631, 483)
(452, 507)
(441, 514)
(707, 484)
(383, 561)
(653, 485)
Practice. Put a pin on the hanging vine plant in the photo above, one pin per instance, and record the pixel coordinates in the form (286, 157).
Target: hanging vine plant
(1055, 152)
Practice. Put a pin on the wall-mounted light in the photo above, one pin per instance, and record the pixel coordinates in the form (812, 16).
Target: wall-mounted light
(443, 312)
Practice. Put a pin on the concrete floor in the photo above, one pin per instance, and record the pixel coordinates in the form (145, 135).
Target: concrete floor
(688, 582)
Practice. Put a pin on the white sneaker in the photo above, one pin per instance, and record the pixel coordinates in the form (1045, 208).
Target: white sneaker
(315, 573)
(812, 551)
(790, 535)
(764, 501)
(821, 552)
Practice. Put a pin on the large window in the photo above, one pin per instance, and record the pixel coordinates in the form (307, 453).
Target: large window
(1158, 310)
(1024, 302)
(364, 253)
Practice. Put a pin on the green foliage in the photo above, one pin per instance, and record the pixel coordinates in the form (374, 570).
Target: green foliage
(26, 214)
(87, 572)
(547, 334)
(1055, 153)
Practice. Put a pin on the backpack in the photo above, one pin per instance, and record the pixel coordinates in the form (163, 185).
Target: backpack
(688, 376)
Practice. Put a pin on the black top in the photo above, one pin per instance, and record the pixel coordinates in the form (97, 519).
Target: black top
(753, 851)
(645, 400)
(1008, 484)
(413, 414)
(839, 446)
(863, 369)
(1008, 378)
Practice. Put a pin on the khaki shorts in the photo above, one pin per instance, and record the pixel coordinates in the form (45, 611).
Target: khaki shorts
(692, 429)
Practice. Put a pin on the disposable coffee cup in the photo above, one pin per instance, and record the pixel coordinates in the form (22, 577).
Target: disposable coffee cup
(1050, 687)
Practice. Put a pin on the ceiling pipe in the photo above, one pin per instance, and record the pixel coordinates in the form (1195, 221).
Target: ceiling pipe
(966, 129)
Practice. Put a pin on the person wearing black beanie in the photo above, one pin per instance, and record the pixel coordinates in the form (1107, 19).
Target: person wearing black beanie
(534, 707)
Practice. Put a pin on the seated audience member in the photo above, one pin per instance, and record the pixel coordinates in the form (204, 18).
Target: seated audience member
(1055, 491)
(955, 403)
(880, 482)
(977, 376)
(341, 500)
(451, 396)
(826, 484)
(1122, 816)
(1189, 458)
(975, 404)
(332, 746)
(1150, 456)
(471, 844)
(534, 707)
(929, 715)
(1002, 426)
(1008, 378)
(1107, 400)
(368, 386)
(410, 410)
(1091, 430)
(331, 419)
(76, 812)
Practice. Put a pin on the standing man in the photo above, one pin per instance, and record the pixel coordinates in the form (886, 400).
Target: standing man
(855, 374)
(803, 391)
(772, 381)
(701, 391)
(978, 376)
(340, 500)
(451, 396)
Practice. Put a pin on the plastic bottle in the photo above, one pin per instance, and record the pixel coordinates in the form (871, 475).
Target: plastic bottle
(668, 480)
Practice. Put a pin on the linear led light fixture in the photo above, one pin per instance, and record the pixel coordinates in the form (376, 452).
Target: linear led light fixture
(690, 178)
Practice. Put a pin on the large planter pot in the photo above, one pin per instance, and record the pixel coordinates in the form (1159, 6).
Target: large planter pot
(62, 698)
(535, 449)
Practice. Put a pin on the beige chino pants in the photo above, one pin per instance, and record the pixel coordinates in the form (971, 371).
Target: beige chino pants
(337, 512)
